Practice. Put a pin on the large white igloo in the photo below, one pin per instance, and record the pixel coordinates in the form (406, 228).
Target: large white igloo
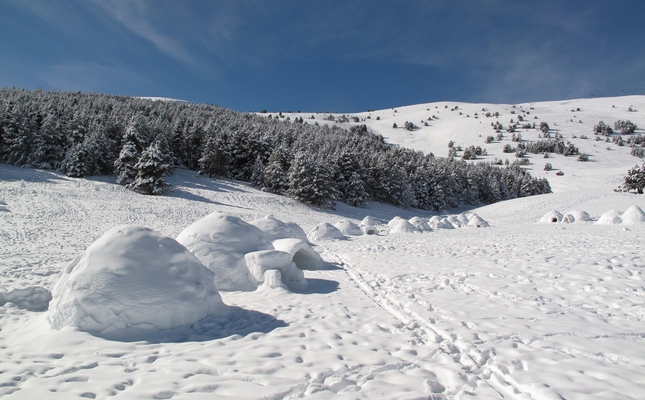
(220, 241)
(134, 278)
(633, 215)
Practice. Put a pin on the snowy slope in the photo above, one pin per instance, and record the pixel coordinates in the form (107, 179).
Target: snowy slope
(515, 310)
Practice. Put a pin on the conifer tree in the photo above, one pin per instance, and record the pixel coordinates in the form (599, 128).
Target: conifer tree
(151, 168)
(276, 179)
(354, 193)
(310, 182)
(215, 159)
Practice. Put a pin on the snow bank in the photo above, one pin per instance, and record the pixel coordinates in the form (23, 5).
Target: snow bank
(551, 217)
(302, 254)
(611, 217)
(134, 277)
(420, 223)
(259, 262)
(403, 225)
(325, 231)
(633, 215)
(348, 228)
(220, 242)
(575, 216)
(275, 229)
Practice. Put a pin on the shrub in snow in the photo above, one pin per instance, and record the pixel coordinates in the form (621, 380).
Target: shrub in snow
(275, 229)
(403, 225)
(635, 180)
(421, 224)
(611, 217)
(133, 277)
(551, 217)
(348, 228)
(625, 127)
(220, 242)
(325, 231)
(576, 216)
(301, 253)
(259, 262)
(544, 127)
(633, 215)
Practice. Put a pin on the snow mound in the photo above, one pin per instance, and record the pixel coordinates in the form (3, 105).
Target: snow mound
(348, 228)
(134, 277)
(403, 225)
(394, 221)
(420, 223)
(464, 218)
(259, 262)
(369, 221)
(576, 217)
(477, 221)
(275, 229)
(634, 215)
(325, 231)
(437, 222)
(297, 230)
(454, 221)
(551, 217)
(369, 230)
(220, 242)
(611, 217)
(302, 254)
(30, 298)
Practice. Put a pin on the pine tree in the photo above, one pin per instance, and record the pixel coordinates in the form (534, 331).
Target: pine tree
(215, 159)
(151, 168)
(124, 166)
(79, 162)
(310, 182)
(49, 146)
(257, 173)
(354, 193)
(276, 177)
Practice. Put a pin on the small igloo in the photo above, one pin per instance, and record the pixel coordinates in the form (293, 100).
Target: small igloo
(395, 221)
(477, 221)
(464, 218)
(633, 215)
(369, 230)
(575, 216)
(302, 254)
(369, 221)
(455, 221)
(259, 262)
(134, 278)
(421, 224)
(325, 231)
(275, 229)
(403, 225)
(348, 228)
(611, 217)
(220, 241)
(551, 217)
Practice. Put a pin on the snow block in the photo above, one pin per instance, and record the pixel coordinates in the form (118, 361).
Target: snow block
(348, 228)
(576, 217)
(275, 229)
(259, 262)
(633, 215)
(421, 224)
(220, 242)
(134, 277)
(551, 217)
(302, 254)
(325, 231)
(273, 279)
(611, 217)
(30, 298)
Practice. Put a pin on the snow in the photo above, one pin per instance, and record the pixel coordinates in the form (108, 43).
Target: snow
(348, 228)
(275, 229)
(517, 310)
(325, 231)
(421, 224)
(133, 277)
(576, 216)
(611, 217)
(633, 215)
(551, 217)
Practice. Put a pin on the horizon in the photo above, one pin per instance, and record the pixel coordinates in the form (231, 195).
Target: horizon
(327, 56)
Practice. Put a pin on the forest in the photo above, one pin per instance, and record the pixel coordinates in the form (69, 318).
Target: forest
(140, 141)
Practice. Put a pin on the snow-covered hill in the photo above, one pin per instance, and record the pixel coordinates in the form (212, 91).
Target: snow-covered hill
(517, 310)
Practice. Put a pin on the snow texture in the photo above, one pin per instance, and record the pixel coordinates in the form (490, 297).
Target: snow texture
(325, 231)
(348, 228)
(220, 241)
(133, 277)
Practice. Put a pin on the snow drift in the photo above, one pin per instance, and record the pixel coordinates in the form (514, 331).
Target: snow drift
(134, 277)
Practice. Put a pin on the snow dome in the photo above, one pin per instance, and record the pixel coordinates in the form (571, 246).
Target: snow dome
(634, 215)
(477, 221)
(276, 229)
(551, 217)
(394, 221)
(420, 224)
(464, 218)
(611, 217)
(325, 231)
(437, 222)
(302, 254)
(369, 230)
(348, 228)
(576, 216)
(369, 221)
(134, 277)
(403, 226)
(220, 242)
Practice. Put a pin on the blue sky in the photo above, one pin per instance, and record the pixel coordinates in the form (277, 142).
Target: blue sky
(343, 56)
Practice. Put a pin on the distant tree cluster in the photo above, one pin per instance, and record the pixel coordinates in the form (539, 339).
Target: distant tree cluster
(140, 141)
(549, 146)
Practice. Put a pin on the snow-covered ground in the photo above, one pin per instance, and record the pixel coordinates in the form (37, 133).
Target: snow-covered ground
(518, 309)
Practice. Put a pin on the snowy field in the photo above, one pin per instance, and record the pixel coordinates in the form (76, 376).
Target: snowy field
(518, 309)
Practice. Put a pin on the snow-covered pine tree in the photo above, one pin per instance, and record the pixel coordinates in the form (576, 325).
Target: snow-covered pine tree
(151, 168)
(257, 173)
(79, 161)
(635, 180)
(48, 148)
(215, 159)
(354, 193)
(124, 166)
(310, 182)
(276, 177)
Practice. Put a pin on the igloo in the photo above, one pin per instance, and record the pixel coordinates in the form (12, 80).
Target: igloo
(259, 262)
(421, 224)
(134, 278)
(395, 221)
(348, 228)
(220, 242)
(275, 229)
(369, 221)
(302, 254)
(325, 231)
(455, 221)
(633, 215)
(551, 217)
(611, 217)
(464, 218)
(403, 225)
(369, 230)
(477, 221)
(575, 216)
(437, 222)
